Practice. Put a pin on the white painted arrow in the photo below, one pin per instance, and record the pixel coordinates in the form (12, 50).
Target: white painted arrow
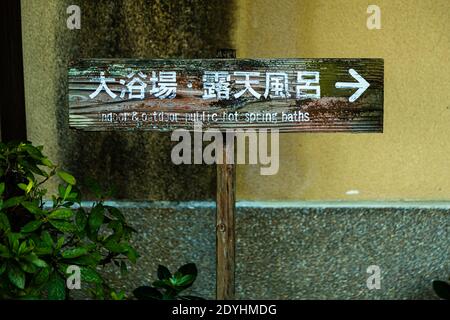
(362, 85)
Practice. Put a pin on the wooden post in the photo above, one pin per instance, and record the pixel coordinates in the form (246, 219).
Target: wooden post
(225, 232)
(226, 206)
(348, 98)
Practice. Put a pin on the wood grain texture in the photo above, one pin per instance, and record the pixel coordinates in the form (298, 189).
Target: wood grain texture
(225, 227)
(331, 113)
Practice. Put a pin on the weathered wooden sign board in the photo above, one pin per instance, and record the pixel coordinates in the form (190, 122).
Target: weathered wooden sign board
(291, 95)
(303, 95)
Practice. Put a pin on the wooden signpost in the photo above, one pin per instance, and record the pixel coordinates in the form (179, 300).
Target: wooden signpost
(289, 95)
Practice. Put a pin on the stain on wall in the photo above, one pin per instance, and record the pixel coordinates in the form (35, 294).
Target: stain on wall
(136, 165)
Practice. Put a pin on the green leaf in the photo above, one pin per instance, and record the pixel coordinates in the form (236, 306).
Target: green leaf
(22, 186)
(67, 192)
(43, 250)
(118, 295)
(27, 187)
(32, 207)
(74, 253)
(73, 196)
(116, 213)
(47, 238)
(61, 214)
(90, 275)
(63, 269)
(46, 162)
(39, 263)
(163, 284)
(185, 280)
(61, 190)
(31, 226)
(34, 152)
(170, 295)
(59, 242)
(67, 177)
(116, 225)
(41, 276)
(80, 219)
(4, 222)
(63, 226)
(2, 188)
(16, 276)
(56, 287)
(34, 259)
(442, 289)
(29, 166)
(185, 276)
(163, 273)
(22, 248)
(13, 239)
(12, 202)
(2, 268)
(147, 293)
(96, 217)
(115, 247)
(132, 254)
(4, 251)
(27, 267)
(189, 268)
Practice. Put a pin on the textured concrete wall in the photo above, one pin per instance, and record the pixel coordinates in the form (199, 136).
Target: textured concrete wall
(300, 251)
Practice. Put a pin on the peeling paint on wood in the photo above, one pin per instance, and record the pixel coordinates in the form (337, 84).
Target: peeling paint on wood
(332, 112)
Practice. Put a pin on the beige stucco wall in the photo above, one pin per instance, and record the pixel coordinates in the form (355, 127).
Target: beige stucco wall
(40, 68)
(410, 160)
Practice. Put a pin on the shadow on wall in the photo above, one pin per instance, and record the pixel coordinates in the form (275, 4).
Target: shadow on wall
(138, 164)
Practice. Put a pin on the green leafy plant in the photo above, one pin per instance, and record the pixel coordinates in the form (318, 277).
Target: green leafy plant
(39, 240)
(442, 289)
(168, 286)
